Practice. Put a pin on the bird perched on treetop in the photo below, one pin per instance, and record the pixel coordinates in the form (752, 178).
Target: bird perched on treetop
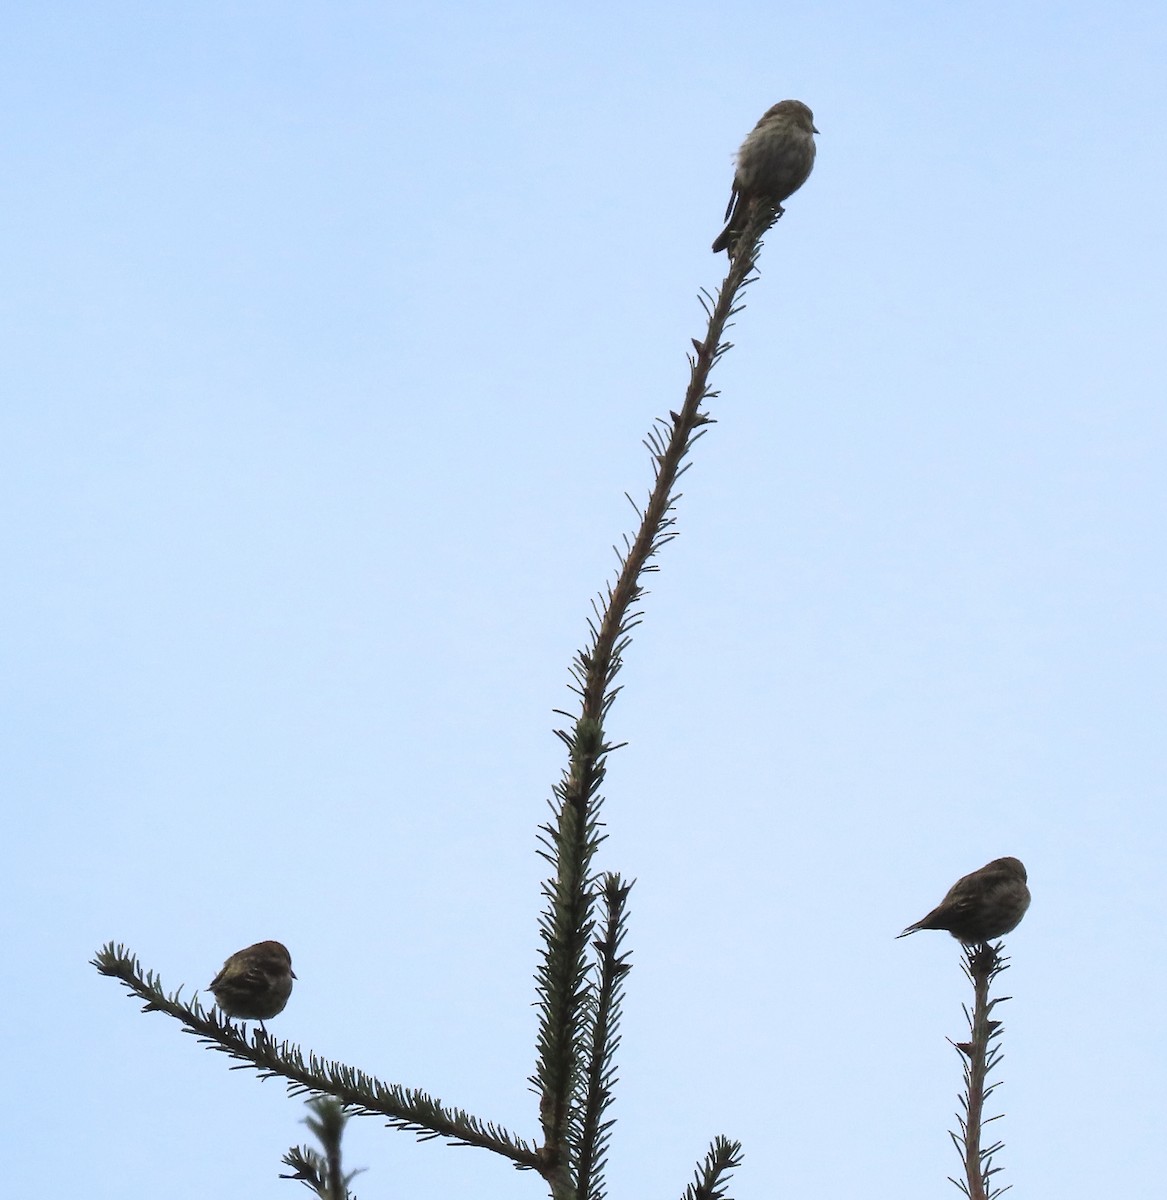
(254, 984)
(981, 906)
(774, 161)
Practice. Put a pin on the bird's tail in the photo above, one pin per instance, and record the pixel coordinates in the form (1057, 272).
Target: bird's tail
(725, 238)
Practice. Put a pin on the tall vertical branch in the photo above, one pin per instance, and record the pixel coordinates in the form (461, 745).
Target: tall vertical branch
(982, 964)
(565, 977)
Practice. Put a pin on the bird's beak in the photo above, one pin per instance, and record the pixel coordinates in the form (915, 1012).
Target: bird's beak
(813, 129)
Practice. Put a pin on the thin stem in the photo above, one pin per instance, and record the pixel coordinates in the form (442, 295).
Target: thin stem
(983, 963)
(668, 458)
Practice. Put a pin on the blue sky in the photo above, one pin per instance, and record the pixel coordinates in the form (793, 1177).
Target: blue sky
(331, 333)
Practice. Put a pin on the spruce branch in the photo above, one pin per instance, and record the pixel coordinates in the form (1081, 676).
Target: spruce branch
(604, 1038)
(983, 962)
(561, 979)
(579, 981)
(321, 1170)
(565, 977)
(712, 1176)
(407, 1109)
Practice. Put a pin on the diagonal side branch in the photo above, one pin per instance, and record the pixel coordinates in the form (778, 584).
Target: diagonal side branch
(408, 1109)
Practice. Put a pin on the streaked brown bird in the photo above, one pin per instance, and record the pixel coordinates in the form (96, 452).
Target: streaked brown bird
(254, 984)
(981, 906)
(774, 161)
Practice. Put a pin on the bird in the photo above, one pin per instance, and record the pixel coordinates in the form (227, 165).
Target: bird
(254, 984)
(982, 905)
(774, 161)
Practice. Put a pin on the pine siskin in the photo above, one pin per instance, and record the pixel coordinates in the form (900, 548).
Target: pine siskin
(981, 906)
(255, 983)
(774, 161)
